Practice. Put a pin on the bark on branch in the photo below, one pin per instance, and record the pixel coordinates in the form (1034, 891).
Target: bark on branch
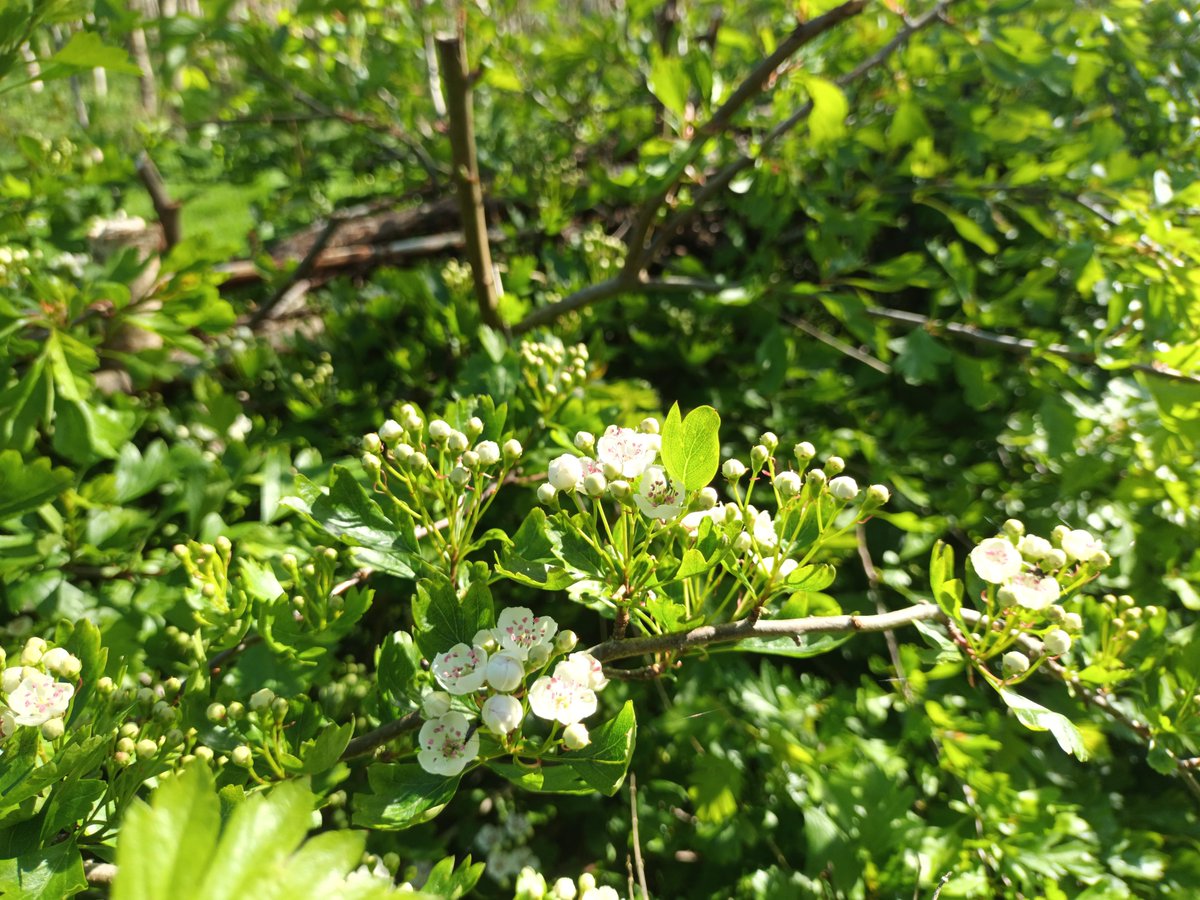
(457, 78)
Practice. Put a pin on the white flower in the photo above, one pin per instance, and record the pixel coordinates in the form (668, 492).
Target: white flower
(447, 744)
(488, 453)
(844, 488)
(1057, 642)
(519, 630)
(1034, 548)
(8, 724)
(786, 567)
(996, 560)
(562, 700)
(657, 497)
(461, 669)
(39, 698)
(575, 736)
(565, 472)
(584, 668)
(603, 892)
(1081, 545)
(505, 670)
(691, 522)
(12, 677)
(501, 713)
(1030, 591)
(788, 484)
(763, 529)
(626, 450)
(564, 889)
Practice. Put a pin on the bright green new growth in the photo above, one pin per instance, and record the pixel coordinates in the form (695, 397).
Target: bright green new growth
(691, 447)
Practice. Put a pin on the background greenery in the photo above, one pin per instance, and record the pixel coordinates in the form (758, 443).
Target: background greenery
(1017, 170)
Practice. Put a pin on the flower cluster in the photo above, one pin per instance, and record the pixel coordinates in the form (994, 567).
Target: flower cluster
(531, 885)
(1027, 577)
(488, 677)
(32, 697)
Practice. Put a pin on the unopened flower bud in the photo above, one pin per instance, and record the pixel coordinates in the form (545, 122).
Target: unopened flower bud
(459, 476)
(435, 704)
(474, 426)
(648, 425)
(488, 453)
(457, 442)
(512, 449)
(202, 752)
(439, 431)
(788, 484)
(620, 489)
(546, 494)
(742, 542)
(1013, 528)
(565, 472)
(565, 641)
(505, 671)
(1073, 622)
(563, 889)
(372, 443)
(236, 710)
(1059, 532)
(769, 440)
(419, 462)
(261, 699)
(844, 488)
(817, 479)
(146, 748)
(587, 881)
(371, 464)
(584, 441)
(215, 712)
(707, 498)
(33, 651)
(485, 639)
(733, 469)
(595, 484)
(403, 453)
(53, 729)
(242, 756)
(575, 737)
(1057, 642)
(759, 455)
(1014, 662)
(501, 714)
(1055, 559)
(804, 451)
(878, 495)
(106, 685)
(539, 655)
(470, 460)
(835, 465)
(390, 432)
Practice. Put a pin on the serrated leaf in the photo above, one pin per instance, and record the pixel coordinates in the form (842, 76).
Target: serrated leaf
(50, 874)
(691, 447)
(26, 486)
(86, 50)
(827, 121)
(1036, 717)
(442, 619)
(402, 795)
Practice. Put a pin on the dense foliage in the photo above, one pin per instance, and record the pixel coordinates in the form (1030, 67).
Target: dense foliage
(814, 513)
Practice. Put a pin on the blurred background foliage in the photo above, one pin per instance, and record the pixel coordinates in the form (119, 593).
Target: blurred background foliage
(971, 271)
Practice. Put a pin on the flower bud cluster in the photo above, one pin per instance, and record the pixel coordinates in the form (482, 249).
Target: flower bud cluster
(488, 678)
(552, 371)
(531, 885)
(30, 694)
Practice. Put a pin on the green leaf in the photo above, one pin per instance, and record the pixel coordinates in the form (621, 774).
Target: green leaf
(26, 486)
(715, 788)
(668, 82)
(451, 882)
(947, 590)
(323, 753)
(49, 874)
(967, 228)
(811, 578)
(397, 668)
(402, 795)
(827, 121)
(602, 764)
(799, 647)
(442, 619)
(532, 558)
(1037, 718)
(691, 448)
(920, 356)
(86, 50)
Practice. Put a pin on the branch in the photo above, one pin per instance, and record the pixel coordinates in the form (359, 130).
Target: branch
(457, 77)
(299, 273)
(603, 290)
(1019, 346)
(165, 208)
(367, 743)
(763, 628)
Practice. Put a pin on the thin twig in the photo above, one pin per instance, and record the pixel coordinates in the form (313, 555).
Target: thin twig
(377, 737)
(839, 345)
(864, 554)
(457, 77)
(301, 271)
(637, 844)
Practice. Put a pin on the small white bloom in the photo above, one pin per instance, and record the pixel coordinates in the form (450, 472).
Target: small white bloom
(691, 522)
(566, 472)
(565, 642)
(519, 630)
(1034, 548)
(844, 487)
(575, 736)
(626, 450)
(562, 700)
(447, 744)
(1081, 545)
(461, 669)
(786, 567)
(603, 892)
(488, 453)
(39, 698)
(531, 885)
(763, 529)
(505, 671)
(12, 677)
(435, 704)
(733, 469)
(1030, 591)
(1057, 642)
(584, 668)
(564, 889)
(996, 560)
(501, 713)
(657, 497)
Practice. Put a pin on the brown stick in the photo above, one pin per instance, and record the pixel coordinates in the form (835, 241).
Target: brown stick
(167, 210)
(457, 78)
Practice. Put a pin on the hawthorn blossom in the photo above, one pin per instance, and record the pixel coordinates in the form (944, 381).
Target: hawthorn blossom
(1030, 591)
(657, 497)
(692, 521)
(584, 668)
(996, 560)
(575, 737)
(447, 744)
(39, 698)
(786, 567)
(1034, 548)
(561, 698)
(763, 529)
(519, 630)
(1081, 545)
(565, 472)
(461, 669)
(8, 724)
(626, 450)
(505, 670)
